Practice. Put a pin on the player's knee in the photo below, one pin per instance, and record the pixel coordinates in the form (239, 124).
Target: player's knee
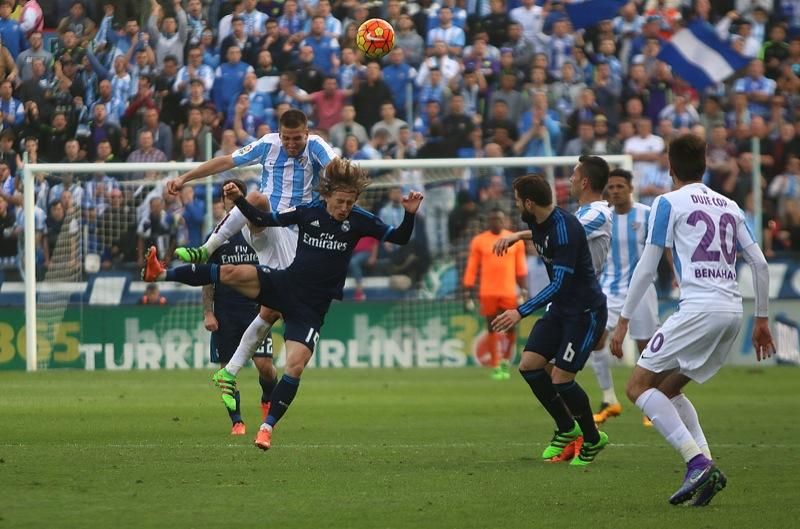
(227, 273)
(258, 200)
(633, 389)
(268, 315)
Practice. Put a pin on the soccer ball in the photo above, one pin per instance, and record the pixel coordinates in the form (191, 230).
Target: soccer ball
(375, 38)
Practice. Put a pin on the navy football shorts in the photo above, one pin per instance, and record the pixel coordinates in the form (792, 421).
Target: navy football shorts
(302, 320)
(568, 339)
(226, 338)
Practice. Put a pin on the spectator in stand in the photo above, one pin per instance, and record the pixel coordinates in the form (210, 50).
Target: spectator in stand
(167, 33)
(101, 129)
(407, 39)
(785, 187)
(655, 181)
(11, 109)
(646, 149)
(195, 69)
(152, 296)
(399, 76)
(238, 37)
(347, 126)
(365, 255)
(146, 153)
(324, 44)
(440, 60)
(375, 148)
(36, 51)
(583, 143)
(327, 103)
(32, 18)
(389, 121)
(11, 34)
(189, 218)
(254, 20)
(229, 79)
(453, 36)
(757, 88)
(162, 134)
(81, 25)
(369, 94)
(156, 228)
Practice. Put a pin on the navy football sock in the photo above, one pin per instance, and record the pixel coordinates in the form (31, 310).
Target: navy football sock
(282, 397)
(236, 415)
(543, 388)
(267, 387)
(578, 403)
(194, 274)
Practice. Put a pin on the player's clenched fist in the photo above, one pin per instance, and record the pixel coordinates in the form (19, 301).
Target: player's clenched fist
(174, 186)
(232, 192)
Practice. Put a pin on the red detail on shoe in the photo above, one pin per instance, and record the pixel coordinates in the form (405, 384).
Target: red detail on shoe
(153, 267)
(570, 451)
(263, 439)
(238, 429)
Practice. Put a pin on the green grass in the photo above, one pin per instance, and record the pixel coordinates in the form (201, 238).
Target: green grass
(373, 448)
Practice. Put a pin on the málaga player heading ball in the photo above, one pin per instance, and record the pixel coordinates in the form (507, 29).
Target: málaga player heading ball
(375, 38)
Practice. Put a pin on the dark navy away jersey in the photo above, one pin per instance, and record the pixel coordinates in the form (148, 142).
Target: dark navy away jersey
(561, 243)
(324, 245)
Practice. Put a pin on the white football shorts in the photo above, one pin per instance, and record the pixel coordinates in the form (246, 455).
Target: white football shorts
(644, 322)
(694, 343)
(275, 246)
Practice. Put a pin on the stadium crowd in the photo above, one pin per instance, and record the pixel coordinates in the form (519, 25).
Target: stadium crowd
(128, 81)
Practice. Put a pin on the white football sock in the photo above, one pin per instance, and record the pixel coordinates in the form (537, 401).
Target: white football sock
(601, 365)
(252, 338)
(229, 226)
(689, 417)
(665, 418)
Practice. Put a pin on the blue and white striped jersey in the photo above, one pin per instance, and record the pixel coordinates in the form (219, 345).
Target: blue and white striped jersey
(628, 237)
(286, 181)
(596, 220)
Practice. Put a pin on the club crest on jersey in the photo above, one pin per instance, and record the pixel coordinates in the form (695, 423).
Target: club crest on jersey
(244, 150)
(302, 159)
(346, 226)
(636, 225)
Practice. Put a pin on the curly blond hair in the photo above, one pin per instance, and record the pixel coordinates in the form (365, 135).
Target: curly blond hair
(342, 175)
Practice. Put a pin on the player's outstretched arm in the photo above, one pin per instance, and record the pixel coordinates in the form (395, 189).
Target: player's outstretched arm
(402, 234)
(502, 244)
(213, 166)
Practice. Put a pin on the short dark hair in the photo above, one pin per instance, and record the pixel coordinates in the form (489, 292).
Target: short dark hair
(293, 119)
(596, 170)
(237, 182)
(624, 173)
(535, 187)
(687, 157)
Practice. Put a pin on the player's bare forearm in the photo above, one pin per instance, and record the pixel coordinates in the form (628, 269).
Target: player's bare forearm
(208, 299)
(213, 166)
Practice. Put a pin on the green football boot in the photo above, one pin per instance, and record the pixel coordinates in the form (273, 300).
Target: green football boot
(589, 451)
(227, 383)
(560, 441)
(192, 255)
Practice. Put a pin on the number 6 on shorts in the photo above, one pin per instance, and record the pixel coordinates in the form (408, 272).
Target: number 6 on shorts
(569, 353)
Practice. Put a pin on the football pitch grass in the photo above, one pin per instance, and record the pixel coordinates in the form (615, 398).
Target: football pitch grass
(374, 449)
